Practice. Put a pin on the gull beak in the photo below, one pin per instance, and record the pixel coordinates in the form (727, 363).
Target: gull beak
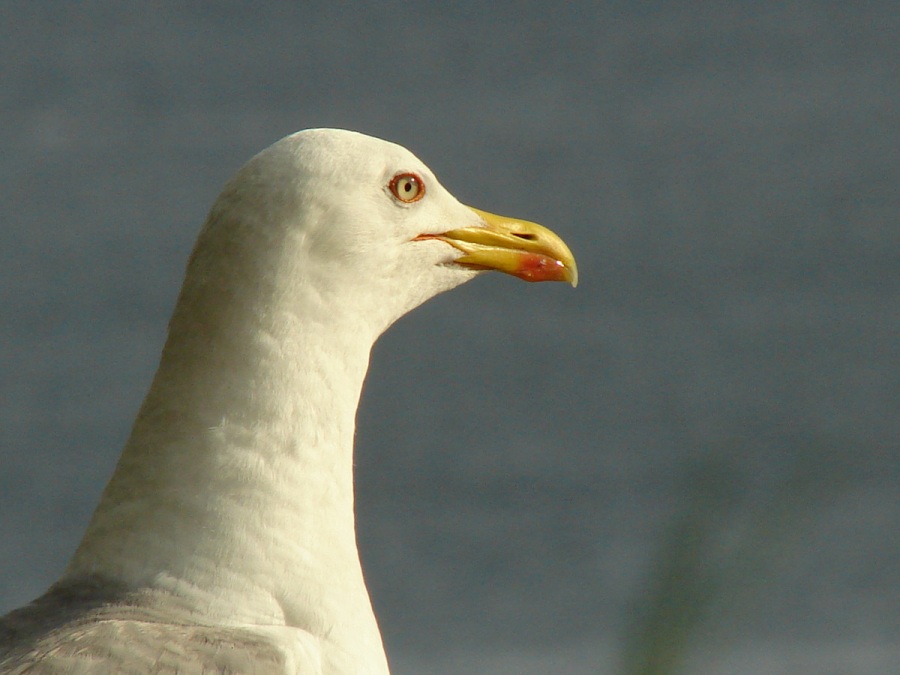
(525, 250)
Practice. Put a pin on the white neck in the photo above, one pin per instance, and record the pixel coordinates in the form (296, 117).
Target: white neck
(235, 489)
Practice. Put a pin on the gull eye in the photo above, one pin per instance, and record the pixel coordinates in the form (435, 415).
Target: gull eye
(407, 187)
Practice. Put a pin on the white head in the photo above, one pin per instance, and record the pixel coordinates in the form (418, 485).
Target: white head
(351, 223)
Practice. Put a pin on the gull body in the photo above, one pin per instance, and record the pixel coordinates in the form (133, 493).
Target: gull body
(225, 539)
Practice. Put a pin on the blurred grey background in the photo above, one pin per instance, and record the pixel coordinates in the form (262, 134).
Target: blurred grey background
(688, 464)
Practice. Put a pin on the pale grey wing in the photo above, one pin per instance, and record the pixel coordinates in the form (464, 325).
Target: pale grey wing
(92, 627)
(127, 646)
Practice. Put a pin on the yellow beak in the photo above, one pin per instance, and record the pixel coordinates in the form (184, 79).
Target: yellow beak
(520, 248)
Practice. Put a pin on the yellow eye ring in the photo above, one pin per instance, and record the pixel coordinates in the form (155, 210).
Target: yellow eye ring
(407, 187)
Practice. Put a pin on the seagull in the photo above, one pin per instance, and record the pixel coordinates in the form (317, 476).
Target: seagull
(225, 540)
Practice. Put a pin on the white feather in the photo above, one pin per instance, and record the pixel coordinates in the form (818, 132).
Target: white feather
(231, 508)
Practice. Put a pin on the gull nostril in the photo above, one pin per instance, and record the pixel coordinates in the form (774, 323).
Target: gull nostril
(529, 237)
